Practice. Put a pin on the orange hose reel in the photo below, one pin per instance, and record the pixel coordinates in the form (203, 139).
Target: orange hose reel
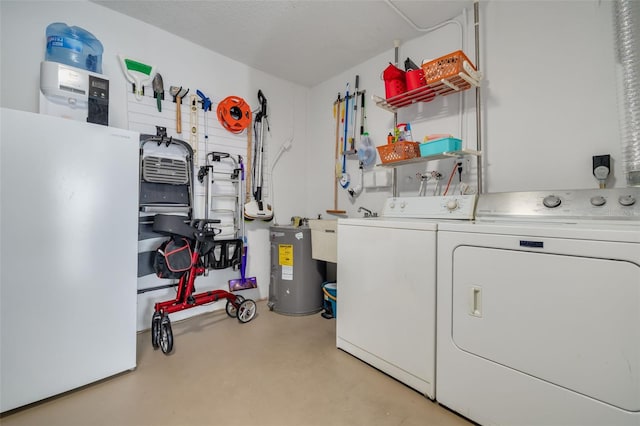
(234, 114)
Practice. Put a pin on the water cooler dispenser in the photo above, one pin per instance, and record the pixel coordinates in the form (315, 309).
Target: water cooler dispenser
(71, 82)
(73, 93)
(296, 278)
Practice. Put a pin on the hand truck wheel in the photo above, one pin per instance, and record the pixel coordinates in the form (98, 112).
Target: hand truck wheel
(166, 335)
(231, 308)
(155, 330)
(246, 310)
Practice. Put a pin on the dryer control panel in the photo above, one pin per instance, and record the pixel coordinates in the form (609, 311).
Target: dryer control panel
(443, 207)
(614, 204)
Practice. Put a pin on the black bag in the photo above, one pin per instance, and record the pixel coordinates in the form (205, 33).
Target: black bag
(173, 258)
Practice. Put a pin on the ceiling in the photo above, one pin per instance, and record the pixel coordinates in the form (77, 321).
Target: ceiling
(306, 42)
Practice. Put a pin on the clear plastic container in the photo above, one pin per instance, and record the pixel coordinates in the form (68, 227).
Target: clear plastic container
(73, 46)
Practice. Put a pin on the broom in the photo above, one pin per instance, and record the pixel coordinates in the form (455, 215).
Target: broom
(336, 111)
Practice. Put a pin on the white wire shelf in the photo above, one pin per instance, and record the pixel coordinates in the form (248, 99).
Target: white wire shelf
(452, 73)
(452, 154)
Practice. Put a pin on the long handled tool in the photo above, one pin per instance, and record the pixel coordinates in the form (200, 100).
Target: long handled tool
(257, 208)
(366, 149)
(248, 180)
(193, 126)
(363, 113)
(336, 111)
(354, 118)
(206, 105)
(344, 177)
(243, 282)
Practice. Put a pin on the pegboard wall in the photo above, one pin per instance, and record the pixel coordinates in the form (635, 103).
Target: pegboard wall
(203, 131)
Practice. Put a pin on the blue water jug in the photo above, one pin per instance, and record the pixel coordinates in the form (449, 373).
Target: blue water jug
(73, 46)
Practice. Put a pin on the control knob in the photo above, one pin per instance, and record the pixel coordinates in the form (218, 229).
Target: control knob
(627, 200)
(551, 201)
(598, 200)
(452, 204)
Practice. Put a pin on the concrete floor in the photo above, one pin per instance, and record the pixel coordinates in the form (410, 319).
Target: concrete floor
(275, 370)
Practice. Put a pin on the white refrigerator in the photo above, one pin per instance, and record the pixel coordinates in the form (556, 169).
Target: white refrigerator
(68, 252)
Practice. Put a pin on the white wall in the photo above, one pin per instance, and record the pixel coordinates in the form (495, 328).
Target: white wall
(549, 102)
(180, 62)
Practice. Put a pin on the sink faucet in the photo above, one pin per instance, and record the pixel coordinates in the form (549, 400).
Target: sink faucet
(367, 212)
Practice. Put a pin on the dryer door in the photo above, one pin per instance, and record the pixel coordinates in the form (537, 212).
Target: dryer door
(569, 320)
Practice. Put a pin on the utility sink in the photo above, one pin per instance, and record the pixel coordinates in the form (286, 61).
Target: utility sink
(324, 239)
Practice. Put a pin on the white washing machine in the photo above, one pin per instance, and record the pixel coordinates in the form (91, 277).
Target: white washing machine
(539, 310)
(386, 279)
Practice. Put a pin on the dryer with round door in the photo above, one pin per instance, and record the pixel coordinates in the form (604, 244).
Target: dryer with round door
(539, 309)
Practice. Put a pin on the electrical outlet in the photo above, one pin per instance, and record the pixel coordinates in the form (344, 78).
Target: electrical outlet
(601, 168)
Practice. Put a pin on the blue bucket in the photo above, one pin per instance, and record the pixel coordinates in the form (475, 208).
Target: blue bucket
(330, 291)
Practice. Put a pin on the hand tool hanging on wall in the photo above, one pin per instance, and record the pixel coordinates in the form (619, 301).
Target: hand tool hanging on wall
(257, 208)
(206, 105)
(137, 73)
(248, 179)
(366, 148)
(354, 118)
(344, 177)
(158, 90)
(338, 166)
(178, 93)
(363, 113)
(354, 192)
(337, 115)
(193, 126)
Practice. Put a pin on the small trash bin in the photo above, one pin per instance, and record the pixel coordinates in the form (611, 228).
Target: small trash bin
(330, 291)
